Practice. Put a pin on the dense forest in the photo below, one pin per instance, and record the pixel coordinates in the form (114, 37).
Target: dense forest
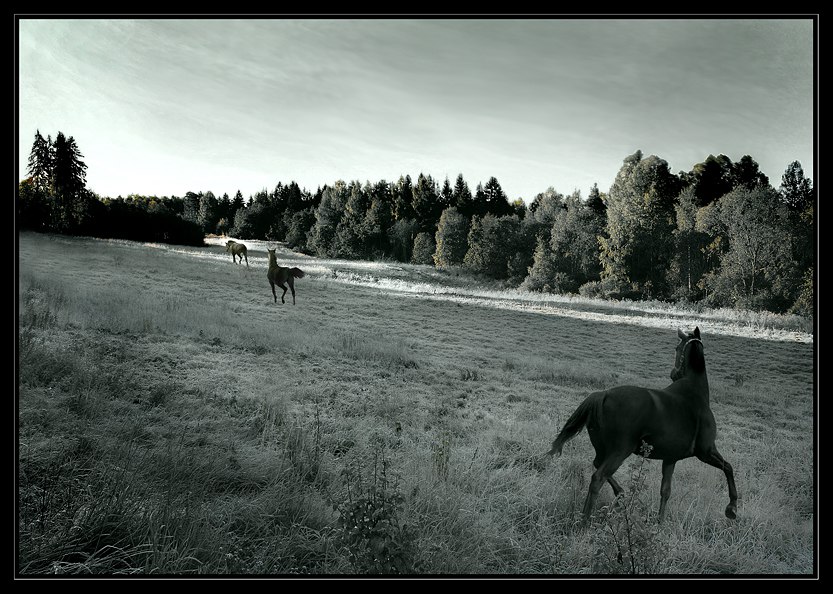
(720, 235)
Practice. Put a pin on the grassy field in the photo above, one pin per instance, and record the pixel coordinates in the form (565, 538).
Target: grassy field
(173, 420)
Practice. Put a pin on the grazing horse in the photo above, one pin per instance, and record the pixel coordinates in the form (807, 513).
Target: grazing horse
(238, 250)
(676, 422)
(278, 275)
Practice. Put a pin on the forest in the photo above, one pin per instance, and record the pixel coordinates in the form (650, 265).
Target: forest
(719, 235)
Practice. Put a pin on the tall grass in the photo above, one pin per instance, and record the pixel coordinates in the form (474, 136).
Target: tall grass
(166, 429)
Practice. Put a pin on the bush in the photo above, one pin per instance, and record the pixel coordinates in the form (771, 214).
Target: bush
(803, 305)
(376, 540)
(609, 288)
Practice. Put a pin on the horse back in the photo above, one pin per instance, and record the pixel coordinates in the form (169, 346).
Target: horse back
(277, 274)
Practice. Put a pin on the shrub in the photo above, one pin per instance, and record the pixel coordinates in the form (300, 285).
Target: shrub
(375, 538)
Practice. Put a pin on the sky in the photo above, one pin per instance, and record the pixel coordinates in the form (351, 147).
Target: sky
(166, 106)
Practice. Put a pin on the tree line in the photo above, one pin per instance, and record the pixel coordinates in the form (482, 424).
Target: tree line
(55, 198)
(719, 235)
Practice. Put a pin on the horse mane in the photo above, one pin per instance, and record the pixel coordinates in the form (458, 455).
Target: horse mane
(696, 360)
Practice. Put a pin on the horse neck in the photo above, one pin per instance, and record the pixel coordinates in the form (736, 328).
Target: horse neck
(697, 382)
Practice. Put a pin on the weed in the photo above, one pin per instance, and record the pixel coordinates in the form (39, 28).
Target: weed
(627, 540)
(738, 378)
(377, 541)
(440, 455)
(469, 375)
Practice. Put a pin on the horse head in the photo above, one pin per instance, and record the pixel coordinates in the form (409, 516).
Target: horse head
(681, 360)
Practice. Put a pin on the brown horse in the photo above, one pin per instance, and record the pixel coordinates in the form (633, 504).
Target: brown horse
(278, 275)
(237, 249)
(676, 422)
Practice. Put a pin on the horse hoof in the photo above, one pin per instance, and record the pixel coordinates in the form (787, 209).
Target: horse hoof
(731, 513)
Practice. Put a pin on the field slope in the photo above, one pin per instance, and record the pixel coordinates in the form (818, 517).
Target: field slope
(172, 419)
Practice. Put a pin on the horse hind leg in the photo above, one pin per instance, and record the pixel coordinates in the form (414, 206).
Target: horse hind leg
(282, 286)
(665, 487)
(604, 473)
(247, 259)
(292, 287)
(617, 489)
(713, 458)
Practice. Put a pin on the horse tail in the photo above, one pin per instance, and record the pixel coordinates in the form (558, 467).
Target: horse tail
(297, 272)
(574, 424)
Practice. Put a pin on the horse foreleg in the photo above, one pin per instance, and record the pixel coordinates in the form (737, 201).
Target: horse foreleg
(665, 487)
(713, 458)
(275, 295)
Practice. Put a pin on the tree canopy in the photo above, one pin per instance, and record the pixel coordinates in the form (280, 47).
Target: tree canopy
(718, 234)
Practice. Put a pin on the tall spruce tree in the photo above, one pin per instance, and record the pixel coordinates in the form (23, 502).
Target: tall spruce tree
(68, 184)
(796, 190)
(495, 199)
(596, 202)
(446, 196)
(403, 198)
(426, 204)
(462, 198)
(41, 162)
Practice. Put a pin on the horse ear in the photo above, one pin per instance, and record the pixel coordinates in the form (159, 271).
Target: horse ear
(681, 334)
(697, 332)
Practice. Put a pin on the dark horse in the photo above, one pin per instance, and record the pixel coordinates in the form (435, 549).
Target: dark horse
(676, 422)
(237, 249)
(278, 275)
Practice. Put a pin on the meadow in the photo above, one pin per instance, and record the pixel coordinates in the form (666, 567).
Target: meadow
(173, 420)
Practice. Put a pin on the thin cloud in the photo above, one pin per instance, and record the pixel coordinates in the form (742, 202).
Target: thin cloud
(535, 103)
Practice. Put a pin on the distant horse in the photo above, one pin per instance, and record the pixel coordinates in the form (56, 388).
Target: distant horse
(676, 422)
(237, 250)
(278, 275)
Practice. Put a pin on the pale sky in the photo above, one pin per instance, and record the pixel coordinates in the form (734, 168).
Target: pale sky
(162, 106)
